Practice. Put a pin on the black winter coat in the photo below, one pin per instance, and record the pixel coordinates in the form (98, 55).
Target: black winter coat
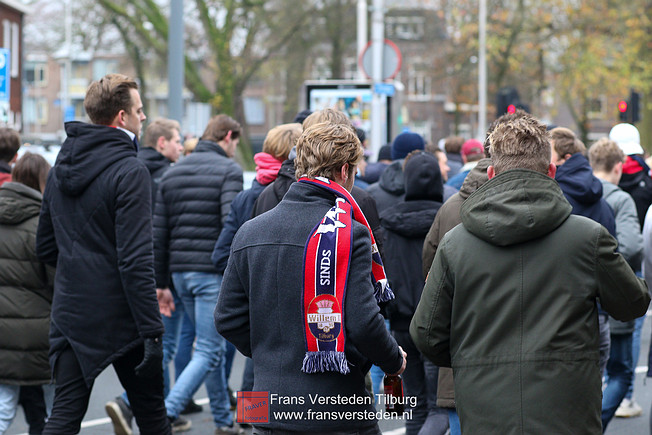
(193, 202)
(25, 290)
(96, 227)
(405, 227)
(156, 164)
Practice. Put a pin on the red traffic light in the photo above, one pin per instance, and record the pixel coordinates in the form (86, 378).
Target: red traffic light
(511, 108)
(622, 106)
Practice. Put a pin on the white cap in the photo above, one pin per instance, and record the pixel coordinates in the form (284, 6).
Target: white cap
(627, 138)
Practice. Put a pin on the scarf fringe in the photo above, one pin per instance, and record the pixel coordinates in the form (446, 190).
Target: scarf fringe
(382, 292)
(323, 361)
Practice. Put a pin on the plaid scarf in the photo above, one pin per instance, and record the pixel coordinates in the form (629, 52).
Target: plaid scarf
(327, 259)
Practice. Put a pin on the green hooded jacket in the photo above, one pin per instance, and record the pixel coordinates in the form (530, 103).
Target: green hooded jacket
(510, 304)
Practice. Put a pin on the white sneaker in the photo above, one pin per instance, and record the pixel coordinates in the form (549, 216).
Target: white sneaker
(628, 408)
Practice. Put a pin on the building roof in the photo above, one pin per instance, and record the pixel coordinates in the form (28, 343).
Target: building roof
(16, 5)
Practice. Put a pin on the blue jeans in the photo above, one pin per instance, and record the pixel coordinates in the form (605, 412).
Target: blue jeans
(171, 337)
(199, 292)
(8, 404)
(454, 422)
(437, 420)
(185, 345)
(620, 372)
(636, 350)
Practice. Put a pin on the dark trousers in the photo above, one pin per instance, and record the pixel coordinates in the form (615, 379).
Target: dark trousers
(72, 394)
(414, 383)
(33, 403)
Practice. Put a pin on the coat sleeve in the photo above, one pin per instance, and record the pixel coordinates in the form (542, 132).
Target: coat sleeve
(46, 244)
(430, 244)
(368, 207)
(133, 236)
(231, 187)
(430, 328)
(231, 315)
(623, 295)
(364, 325)
(161, 233)
(628, 231)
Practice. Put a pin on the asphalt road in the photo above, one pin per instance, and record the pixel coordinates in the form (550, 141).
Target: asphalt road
(107, 387)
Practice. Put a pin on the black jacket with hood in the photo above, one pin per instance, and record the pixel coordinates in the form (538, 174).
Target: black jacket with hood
(96, 228)
(389, 190)
(156, 164)
(405, 227)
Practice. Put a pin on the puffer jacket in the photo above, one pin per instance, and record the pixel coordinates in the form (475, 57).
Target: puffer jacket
(511, 304)
(156, 164)
(193, 203)
(25, 290)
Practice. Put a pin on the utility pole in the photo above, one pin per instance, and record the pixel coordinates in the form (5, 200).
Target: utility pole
(377, 41)
(175, 61)
(362, 34)
(482, 73)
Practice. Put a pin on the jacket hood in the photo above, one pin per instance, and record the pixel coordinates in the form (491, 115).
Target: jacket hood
(476, 178)
(18, 203)
(514, 207)
(391, 180)
(87, 151)
(577, 181)
(422, 178)
(608, 188)
(411, 219)
(154, 160)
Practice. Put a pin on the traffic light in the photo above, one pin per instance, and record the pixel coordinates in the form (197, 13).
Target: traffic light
(622, 109)
(508, 101)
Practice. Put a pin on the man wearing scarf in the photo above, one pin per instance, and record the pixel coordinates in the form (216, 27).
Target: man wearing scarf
(300, 295)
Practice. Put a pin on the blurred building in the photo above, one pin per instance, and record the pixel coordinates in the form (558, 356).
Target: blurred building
(11, 39)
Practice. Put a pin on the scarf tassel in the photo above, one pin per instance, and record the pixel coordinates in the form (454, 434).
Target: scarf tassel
(323, 361)
(382, 292)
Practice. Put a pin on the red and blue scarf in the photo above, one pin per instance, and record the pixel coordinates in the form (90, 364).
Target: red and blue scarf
(327, 259)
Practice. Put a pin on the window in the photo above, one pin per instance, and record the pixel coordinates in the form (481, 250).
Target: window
(254, 110)
(406, 28)
(102, 67)
(419, 82)
(36, 74)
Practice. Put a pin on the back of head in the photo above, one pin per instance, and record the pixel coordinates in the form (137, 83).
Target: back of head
(280, 140)
(218, 128)
(160, 127)
(106, 97)
(523, 143)
(627, 138)
(605, 154)
(301, 116)
(453, 144)
(385, 152)
(405, 143)
(473, 150)
(31, 170)
(9, 144)
(322, 150)
(189, 145)
(422, 177)
(565, 141)
(328, 115)
(507, 117)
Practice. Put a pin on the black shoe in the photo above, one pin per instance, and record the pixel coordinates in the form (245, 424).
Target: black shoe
(180, 424)
(192, 408)
(121, 416)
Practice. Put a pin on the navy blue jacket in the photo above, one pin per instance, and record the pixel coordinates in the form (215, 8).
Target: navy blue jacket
(241, 208)
(95, 226)
(193, 202)
(584, 191)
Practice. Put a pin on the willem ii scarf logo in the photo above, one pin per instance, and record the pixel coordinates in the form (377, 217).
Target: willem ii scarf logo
(326, 269)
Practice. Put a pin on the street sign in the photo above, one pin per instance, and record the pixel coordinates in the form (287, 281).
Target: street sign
(5, 87)
(384, 89)
(392, 60)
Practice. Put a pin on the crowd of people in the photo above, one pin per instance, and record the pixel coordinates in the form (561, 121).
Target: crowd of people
(502, 279)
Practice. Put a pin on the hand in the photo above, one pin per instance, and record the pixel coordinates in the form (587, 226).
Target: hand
(402, 369)
(152, 358)
(165, 301)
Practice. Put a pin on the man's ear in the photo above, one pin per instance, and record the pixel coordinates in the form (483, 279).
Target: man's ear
(159, 143)
(491, 173)
(552, 170)
(120, 118)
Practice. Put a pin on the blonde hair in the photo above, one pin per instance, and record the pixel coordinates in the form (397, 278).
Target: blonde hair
(565, 142)
(605, 154)
(327, 115)
(189, 145)
(160, 127)
(322, 150)
(522, 143)
(280, 140)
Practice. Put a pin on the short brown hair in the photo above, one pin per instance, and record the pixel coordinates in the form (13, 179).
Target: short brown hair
(453, 144)
(9, 144)
(219, 126)
(605, 154)
(280, 140)
(160, 127)
(322, 149)
(507, 117)
(565, 142)
(522, 143)
(106, 97)
(31, 170)
(327, 115)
